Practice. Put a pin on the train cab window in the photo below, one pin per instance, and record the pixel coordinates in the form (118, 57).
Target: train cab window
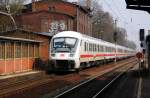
(65, 44)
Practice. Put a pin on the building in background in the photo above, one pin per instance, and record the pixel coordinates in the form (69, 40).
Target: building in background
(56, 16)
(44, 21)
(19, 48)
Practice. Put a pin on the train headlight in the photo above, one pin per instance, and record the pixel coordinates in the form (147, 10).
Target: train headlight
(53, 55)
(71, 55)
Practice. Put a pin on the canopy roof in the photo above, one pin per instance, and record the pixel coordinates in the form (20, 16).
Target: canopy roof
(139, 5)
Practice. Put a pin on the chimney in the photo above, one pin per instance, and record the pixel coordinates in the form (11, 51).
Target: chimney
(34, 5)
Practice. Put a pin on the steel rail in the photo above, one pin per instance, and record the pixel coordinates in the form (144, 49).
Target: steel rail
(91, 79)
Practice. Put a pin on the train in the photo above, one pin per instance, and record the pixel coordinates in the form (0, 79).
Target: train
(72, 51)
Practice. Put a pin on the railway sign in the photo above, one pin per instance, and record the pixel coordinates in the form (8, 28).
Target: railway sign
(139, 55)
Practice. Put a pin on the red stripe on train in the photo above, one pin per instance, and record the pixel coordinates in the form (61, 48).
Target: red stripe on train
(86, 55)
(98, 55)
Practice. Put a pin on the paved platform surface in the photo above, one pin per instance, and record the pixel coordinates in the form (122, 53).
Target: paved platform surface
(145, 86)
(19, 74)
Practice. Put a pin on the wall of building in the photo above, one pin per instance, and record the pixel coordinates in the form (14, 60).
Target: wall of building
(84, 23)
(43, 21)
(56, 6)
(82, 20)
(18, 55)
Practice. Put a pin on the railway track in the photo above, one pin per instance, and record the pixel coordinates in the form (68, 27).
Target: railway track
(20, 87)
(7, 89)
(95, 87)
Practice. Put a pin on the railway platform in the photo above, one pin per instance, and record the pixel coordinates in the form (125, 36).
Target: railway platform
(21, 76)
(144, 86)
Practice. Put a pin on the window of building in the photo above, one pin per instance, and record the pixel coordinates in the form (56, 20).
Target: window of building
(9, 50)
(51, 8)
(2, 50)
(25, 50)
(31, 50)
(36, 50)
(18, 50)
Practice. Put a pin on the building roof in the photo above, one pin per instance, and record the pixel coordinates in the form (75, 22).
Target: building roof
(23, 30)
(87, 10)
(18, 39)
(138, 2)
(45, 34)
(138, 5)
(49, 12)
(2, 35)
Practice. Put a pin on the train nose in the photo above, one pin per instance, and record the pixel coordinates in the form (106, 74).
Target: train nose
(65, 64)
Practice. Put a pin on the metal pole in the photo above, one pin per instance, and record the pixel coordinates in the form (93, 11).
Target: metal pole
(116, 40)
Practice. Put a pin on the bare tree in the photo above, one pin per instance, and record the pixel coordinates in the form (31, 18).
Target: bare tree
(131, 44)
(10, 7)
(122, 39)
(121, 36)
(103, 24)
(104, 27)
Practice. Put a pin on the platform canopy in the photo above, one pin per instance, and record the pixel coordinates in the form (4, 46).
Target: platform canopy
(139, 5)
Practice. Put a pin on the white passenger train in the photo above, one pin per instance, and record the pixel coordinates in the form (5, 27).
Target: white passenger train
(71, 51)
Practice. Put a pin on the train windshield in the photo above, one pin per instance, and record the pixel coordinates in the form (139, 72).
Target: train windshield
(64, 44)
